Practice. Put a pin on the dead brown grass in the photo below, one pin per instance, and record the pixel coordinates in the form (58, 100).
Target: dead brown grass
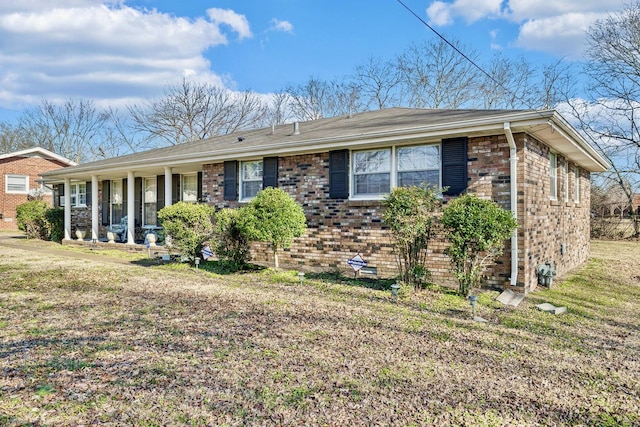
(84, 342)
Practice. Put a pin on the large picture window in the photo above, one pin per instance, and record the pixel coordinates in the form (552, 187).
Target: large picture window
(250, 179)
(190, 188)
(419, 165)
(17, 184)
(375, 172)
(372, 172)
(150, 206)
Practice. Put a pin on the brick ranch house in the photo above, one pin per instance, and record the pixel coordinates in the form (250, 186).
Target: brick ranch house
(532, 162)
(19, 174)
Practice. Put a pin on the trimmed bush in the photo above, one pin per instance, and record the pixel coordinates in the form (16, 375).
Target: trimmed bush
(410, 213)
(477, 230)
(232, 245)
(274, 217)
(55, 218)
(189, 225)
(32, 220)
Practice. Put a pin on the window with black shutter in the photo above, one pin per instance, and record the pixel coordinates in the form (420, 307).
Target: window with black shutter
(231, 180)
(339, 174)
(270, 172)
(454, 165)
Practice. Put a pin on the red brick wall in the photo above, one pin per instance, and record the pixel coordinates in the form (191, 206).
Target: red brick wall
(548, 223)
(31, 166)
(339, 229)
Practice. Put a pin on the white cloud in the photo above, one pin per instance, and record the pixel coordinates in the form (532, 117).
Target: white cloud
(237, 22)
(443, 13)
(284, 26)
(556, 27)
(562, 35)
(104, 51)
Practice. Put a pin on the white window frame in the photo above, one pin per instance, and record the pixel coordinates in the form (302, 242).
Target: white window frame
(76, 194)
(24, 178)
(189, 195)
(553, 176)
(576, 186)
(393, 169)
(566, 181)
(116, 199)
(244, 197)
(149, 198)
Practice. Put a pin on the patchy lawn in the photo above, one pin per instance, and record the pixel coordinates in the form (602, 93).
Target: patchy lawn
(84, 342)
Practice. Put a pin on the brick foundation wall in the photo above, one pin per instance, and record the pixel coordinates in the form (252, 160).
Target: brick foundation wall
(31, 166)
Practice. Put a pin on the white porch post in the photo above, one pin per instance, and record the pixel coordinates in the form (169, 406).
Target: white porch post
(94, 207)
(67, 209)
(131, 208)
(168, 196)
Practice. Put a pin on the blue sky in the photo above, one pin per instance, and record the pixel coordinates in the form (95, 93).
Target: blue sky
(122, 52)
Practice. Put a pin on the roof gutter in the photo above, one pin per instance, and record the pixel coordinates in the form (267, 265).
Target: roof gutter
(513, 172)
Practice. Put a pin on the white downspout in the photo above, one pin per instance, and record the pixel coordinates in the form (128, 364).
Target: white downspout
(513, 170)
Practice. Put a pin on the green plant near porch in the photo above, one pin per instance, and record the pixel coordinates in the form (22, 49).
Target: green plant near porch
(477, 230)
(410, 213)
(189, 225)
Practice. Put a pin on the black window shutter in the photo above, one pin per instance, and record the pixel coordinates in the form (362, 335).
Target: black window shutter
(88, 193)
(175, 188)
(199, 187)
(125, 197)
(231, 180)
(160, 189)
(270, 172)
(106, 189)
(339, 174)
(60, 188)
(138, 201)
(454, 165)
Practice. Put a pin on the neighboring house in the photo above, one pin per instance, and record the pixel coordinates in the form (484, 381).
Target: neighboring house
(20, 174)
(636, 203)
(339, 169)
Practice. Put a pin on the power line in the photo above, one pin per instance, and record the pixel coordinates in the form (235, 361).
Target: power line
(426, 24)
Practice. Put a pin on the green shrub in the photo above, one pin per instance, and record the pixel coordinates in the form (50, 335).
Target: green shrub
(477, 230)
(274, 217)
(188, 225)
(410, 214)
(232, 244)
(55, 218)
(32, 220)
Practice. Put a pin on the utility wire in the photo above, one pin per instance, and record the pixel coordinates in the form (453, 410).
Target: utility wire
(426, 24)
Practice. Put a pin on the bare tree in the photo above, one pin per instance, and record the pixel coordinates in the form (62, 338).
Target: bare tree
(610, 116)
(308, 101)
(506, 84)
(10, 138)
(379, 82)
(74, 129)
(436, 76)
(190, 111)
(279, 111)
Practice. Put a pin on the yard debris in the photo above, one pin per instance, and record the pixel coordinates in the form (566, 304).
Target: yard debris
(550, 308)
(508, 297)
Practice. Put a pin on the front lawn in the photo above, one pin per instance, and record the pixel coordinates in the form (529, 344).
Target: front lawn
(84, 342)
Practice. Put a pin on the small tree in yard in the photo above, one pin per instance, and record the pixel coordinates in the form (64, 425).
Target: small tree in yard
(189, 225)
(274, 217)
(231, 240)
(477, 231)
(410, 214)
